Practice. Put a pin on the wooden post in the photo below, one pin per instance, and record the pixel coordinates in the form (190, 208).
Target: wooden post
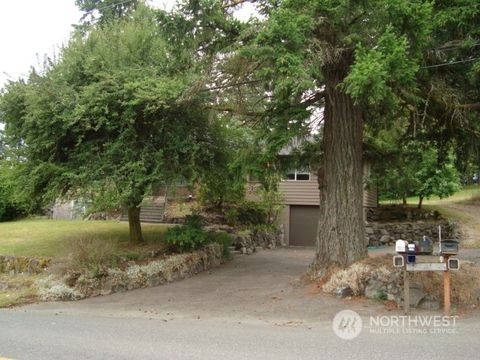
(406, 289)
(446, 289)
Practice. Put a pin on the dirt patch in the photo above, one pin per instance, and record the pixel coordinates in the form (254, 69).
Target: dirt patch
(468, 217)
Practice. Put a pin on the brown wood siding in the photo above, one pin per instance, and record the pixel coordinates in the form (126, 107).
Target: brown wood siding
(305, 193)
(370, 197)
(300, 192)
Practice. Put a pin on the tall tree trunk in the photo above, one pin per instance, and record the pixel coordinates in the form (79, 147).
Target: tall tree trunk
(341, 228)
(404, 200)
(134, 225)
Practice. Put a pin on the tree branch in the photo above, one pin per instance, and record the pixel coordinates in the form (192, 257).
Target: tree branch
(234, 3)
(475, 106)
(232, 85)
(231, 109)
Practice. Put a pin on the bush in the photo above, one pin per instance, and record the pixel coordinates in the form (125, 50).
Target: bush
(195, 221)
(91, 253)
(248, 213)
(232, 217)
(186, 237)
(225, 240)
(12, 205)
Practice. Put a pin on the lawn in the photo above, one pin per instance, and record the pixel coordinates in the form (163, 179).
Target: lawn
(51, 238)
(465, 195)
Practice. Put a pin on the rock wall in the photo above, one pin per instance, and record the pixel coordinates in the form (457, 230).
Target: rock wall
(247, 241)
(384, 233)
(78, 285)
(22, 265)
(388, 213)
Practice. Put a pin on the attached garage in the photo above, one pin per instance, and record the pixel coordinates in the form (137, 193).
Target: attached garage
(303, 225)
(300, 215)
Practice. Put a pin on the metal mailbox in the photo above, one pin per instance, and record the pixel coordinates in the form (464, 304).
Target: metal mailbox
(449, 247)
(401, 246)
(424, 246)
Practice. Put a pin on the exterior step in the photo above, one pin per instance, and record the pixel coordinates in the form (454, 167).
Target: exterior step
(148, 214)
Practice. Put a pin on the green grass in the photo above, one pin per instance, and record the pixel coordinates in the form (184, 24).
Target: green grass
(466, 195)
(50, 237)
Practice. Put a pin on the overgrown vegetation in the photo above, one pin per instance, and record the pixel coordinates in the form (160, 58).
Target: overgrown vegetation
(186, 238)
(416, 169)
(14, 203)
(193, 236)
(225, 241)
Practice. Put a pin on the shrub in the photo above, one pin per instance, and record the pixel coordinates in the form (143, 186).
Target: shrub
(247, 213)
(186, 237)
(11, 207)
(231, 217)
(16, 199)
(195, 221)
(91, 253)
(225, 240)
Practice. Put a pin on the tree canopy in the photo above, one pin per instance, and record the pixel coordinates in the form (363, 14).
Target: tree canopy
(129, 102)
(113, 116)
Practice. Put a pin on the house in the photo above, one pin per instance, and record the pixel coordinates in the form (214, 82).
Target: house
(301, 198)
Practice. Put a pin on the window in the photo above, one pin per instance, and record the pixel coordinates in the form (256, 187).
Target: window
(298, 176)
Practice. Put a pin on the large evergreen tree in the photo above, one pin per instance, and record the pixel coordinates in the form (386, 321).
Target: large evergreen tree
(347, 59)
(112, 117)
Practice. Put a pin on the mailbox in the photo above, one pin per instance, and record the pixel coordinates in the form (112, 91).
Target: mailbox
(425, 246)
(449, 247)
(401, 246)
(411, 253)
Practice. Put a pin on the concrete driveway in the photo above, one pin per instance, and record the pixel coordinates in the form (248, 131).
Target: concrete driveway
(266, 286)
(254, 307)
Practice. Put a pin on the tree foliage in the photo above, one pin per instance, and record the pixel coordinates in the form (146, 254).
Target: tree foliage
(113, 116)
(415, 169)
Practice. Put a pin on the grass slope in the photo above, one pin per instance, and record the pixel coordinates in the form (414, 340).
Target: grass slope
(466, 194)
(51, 237)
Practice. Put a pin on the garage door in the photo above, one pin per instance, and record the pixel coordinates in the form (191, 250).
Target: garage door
(303, 225)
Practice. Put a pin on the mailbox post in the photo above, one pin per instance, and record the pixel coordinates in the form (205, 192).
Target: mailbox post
(446, 288)
(407, 259)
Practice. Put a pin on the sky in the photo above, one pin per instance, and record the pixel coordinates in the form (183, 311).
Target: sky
(31, 29)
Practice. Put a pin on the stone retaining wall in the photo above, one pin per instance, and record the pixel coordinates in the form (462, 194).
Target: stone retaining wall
(383, 233)
(389, 213)
(22, 265)
(247, 241)
(76, 286)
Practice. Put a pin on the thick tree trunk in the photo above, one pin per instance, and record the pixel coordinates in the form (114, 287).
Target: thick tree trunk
(341, 228)
(404, 200)
(135, 227)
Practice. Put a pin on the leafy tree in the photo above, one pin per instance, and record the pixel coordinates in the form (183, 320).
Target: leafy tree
(363, 65)
(105, 10)
(346, 59)
(417, 170)
(113, 116)
(15, 202)
(223, 176)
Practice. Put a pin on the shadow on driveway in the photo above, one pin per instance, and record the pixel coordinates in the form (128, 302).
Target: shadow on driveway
(266, 286)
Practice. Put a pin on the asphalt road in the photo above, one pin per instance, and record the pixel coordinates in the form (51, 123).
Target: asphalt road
(44, 335)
